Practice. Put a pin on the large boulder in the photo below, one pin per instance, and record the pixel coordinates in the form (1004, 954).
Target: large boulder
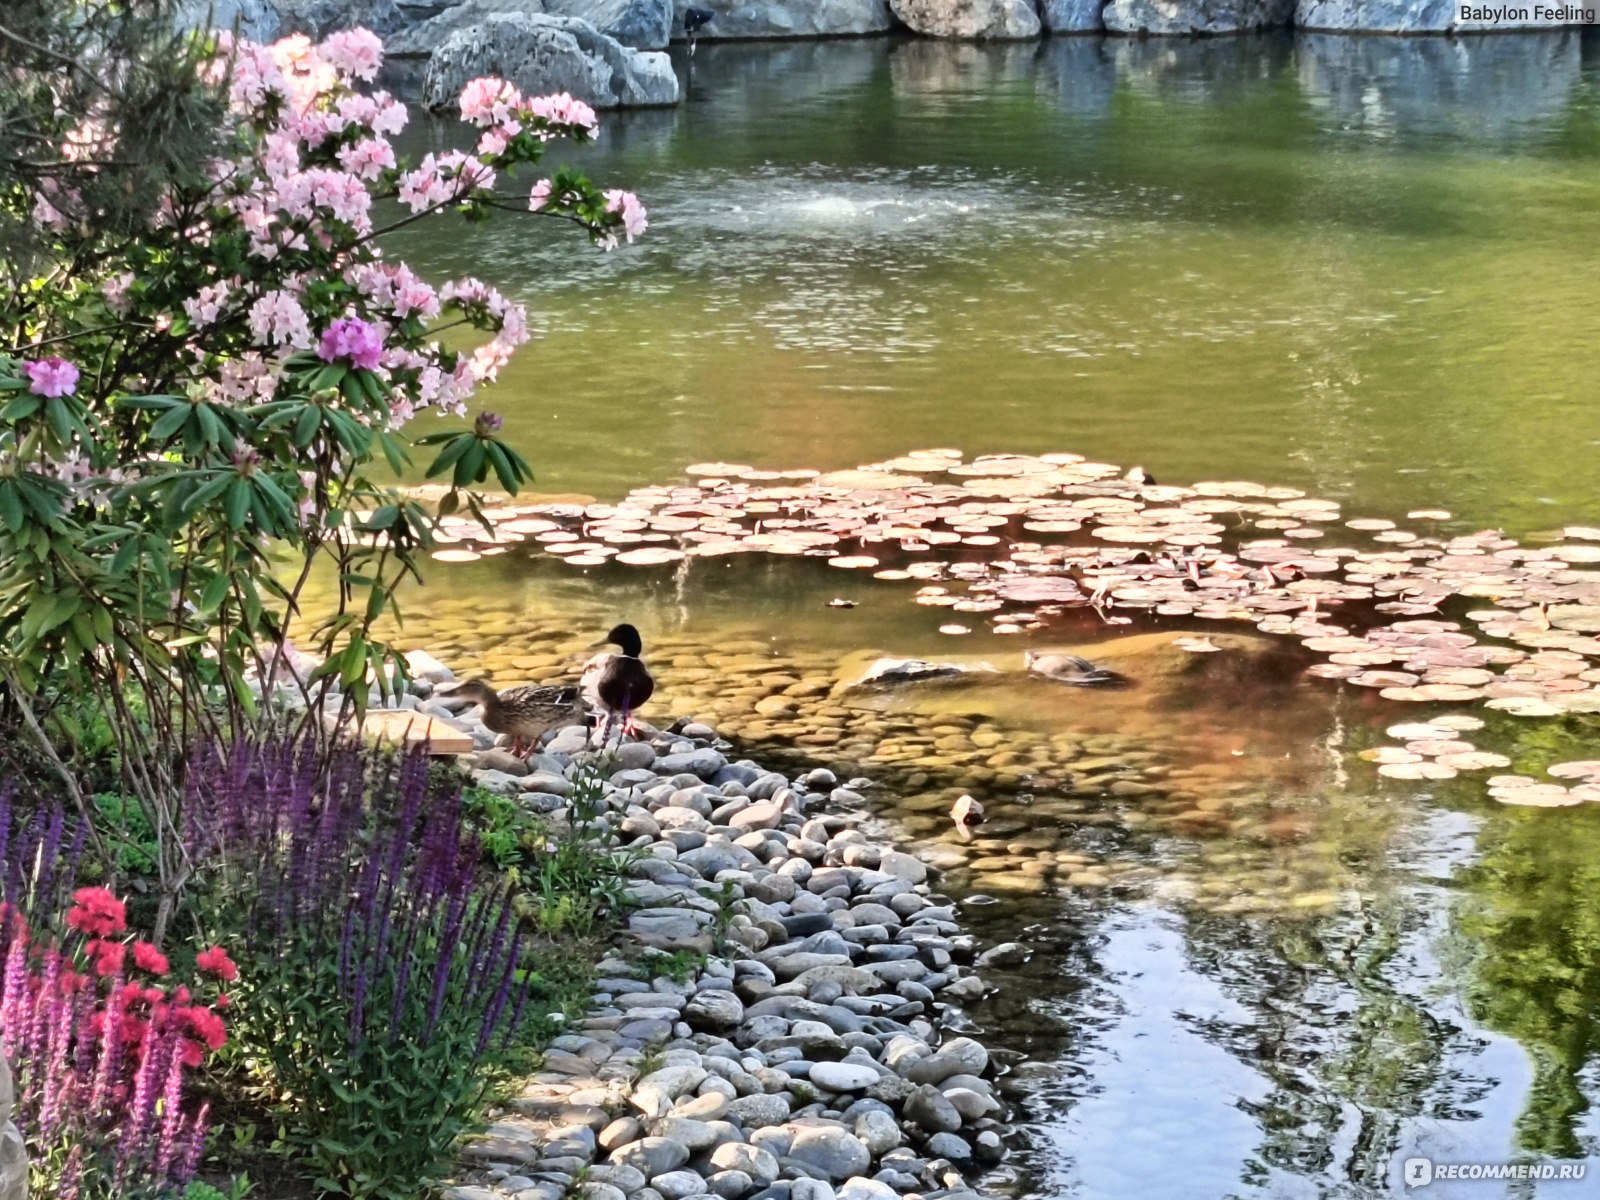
(1409, 16)
(642, 24)
(13, 1159)
(543, 54)
(1184, 17)
(319, 18)
(973, 20)
(1072, 16)
(254, 19)
(427, 35)
(735, 19)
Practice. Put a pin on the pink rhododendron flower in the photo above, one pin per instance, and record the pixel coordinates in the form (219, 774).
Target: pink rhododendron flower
(277, 319)
(634, 218)
(51, 377)
(540, 195)
(115, 290)
(357, 52)
(352, 338)
(368, 158)
(204, 307)
(495, 141)
(486, 100)
(562, 109)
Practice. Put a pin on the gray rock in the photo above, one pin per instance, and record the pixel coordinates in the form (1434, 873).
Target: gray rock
(888, 672)
(759, 1111)
(1195, 16)
(675, 1185)
(1404, 16)
(787, 18)
(878, 1130)
(642, 24)
(759, 1164)
(926, 1107)
(959, 1056)
(319, 18)
(902, 866)
(672, 929)
(619, 1133)
(652, 1155)
(551, 54)
(830, 1149)
(714, 1009)
(948, 1145)
(696, 1135)
(867, 1189)
(257, 20)
(704, 762)
(730, 1184)
(842, 1076)
(1072, 16)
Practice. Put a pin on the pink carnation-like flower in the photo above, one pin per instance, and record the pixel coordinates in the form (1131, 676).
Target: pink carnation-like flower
(486, 100)
(351, 337)
(634, 218)
(51, 377)
(357, 52)
(540, 195)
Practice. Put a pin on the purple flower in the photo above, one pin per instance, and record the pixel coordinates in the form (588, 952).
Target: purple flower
(51, 377)
(488, 423)
(351, 337)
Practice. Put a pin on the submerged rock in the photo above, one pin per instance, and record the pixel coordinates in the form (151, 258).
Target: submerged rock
(890, 672)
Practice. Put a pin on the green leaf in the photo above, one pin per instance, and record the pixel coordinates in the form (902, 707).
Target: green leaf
(238, 502)
(170, 422)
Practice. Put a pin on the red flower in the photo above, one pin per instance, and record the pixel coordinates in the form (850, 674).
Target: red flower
(97, 912)
(72, 982)
(108, 957)
(205, 1026)
(215, 961)
(223, 999)
(193, 1053)
(147, 958)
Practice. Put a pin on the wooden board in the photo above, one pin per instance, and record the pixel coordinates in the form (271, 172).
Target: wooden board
(406, 728)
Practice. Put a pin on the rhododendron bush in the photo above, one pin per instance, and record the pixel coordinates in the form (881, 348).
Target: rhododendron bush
(234, 380)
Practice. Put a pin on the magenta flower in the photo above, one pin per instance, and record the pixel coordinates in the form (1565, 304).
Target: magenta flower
(51, 377)
(351, 337)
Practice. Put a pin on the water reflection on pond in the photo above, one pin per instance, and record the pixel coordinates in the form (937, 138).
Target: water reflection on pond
(1358, 266)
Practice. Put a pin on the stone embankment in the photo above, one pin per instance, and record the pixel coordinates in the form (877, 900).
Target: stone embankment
(771, 1024)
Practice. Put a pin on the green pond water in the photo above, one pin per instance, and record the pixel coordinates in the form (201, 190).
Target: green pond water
(1363, 267)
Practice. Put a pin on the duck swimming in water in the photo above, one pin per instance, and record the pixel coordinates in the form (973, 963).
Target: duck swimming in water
(524, 713)
(966, 812)
(1069, 668)
(618, 684)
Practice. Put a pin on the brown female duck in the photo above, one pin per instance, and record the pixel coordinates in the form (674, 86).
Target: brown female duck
(525, 713)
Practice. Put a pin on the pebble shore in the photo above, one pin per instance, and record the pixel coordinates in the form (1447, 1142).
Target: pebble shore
(804, 1056)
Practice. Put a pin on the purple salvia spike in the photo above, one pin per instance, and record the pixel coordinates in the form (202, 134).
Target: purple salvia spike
(170, 1146)
(190, 1163)
(105, 1076)
(497, 1006)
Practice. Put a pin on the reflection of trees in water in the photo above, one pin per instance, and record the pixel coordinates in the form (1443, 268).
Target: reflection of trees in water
(1350, 1051)
(1530, 907)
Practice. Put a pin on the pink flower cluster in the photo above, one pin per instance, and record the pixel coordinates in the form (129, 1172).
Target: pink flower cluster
(634, 218)
(51, 377)
(354, 339)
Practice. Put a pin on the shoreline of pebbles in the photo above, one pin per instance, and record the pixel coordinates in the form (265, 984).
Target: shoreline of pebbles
(803, 1057)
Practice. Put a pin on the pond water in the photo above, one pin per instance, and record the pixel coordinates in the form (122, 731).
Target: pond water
(1361, 267)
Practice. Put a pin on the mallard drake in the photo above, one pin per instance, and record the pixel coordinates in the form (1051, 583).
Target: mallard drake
(1069, 668)
(525, 713)
(618, 684)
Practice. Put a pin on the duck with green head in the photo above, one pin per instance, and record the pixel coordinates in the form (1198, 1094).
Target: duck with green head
(618, 683)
